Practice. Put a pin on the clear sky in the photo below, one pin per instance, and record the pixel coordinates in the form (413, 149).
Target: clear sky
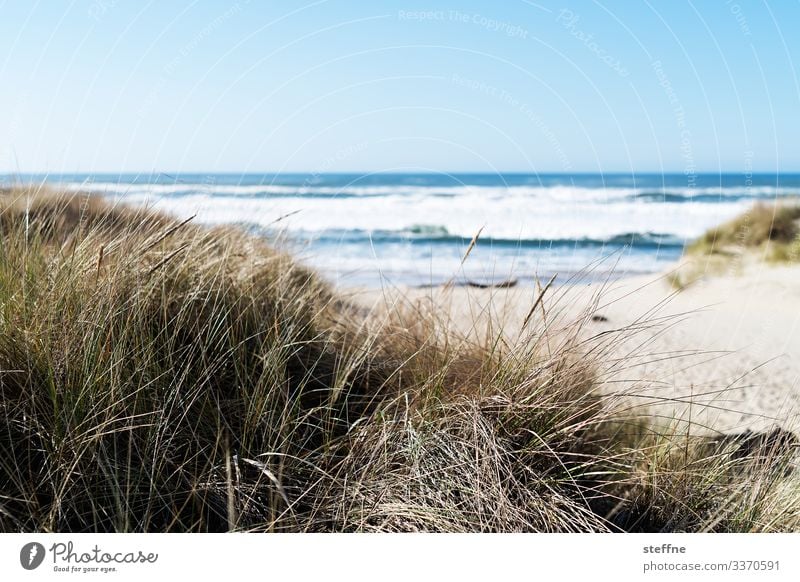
(335, 86)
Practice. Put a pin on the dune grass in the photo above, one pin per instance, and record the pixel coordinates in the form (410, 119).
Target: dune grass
(773, 229)
(765, 232)
(160, 376)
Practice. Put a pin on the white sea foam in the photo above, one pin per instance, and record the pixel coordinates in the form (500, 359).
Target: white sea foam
(338, 223)
(510, 217)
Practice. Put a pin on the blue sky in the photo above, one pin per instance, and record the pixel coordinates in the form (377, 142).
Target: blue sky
(334, 86)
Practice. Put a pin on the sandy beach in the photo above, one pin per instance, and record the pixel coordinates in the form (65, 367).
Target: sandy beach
(723, 353)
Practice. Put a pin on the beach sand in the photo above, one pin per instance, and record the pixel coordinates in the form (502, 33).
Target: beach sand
(722, 353)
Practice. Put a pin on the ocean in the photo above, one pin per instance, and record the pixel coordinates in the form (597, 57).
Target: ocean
(413, 229)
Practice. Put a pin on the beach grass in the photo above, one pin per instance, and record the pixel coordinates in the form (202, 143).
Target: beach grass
(773, 229)
(767, 233)
(156, 375)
